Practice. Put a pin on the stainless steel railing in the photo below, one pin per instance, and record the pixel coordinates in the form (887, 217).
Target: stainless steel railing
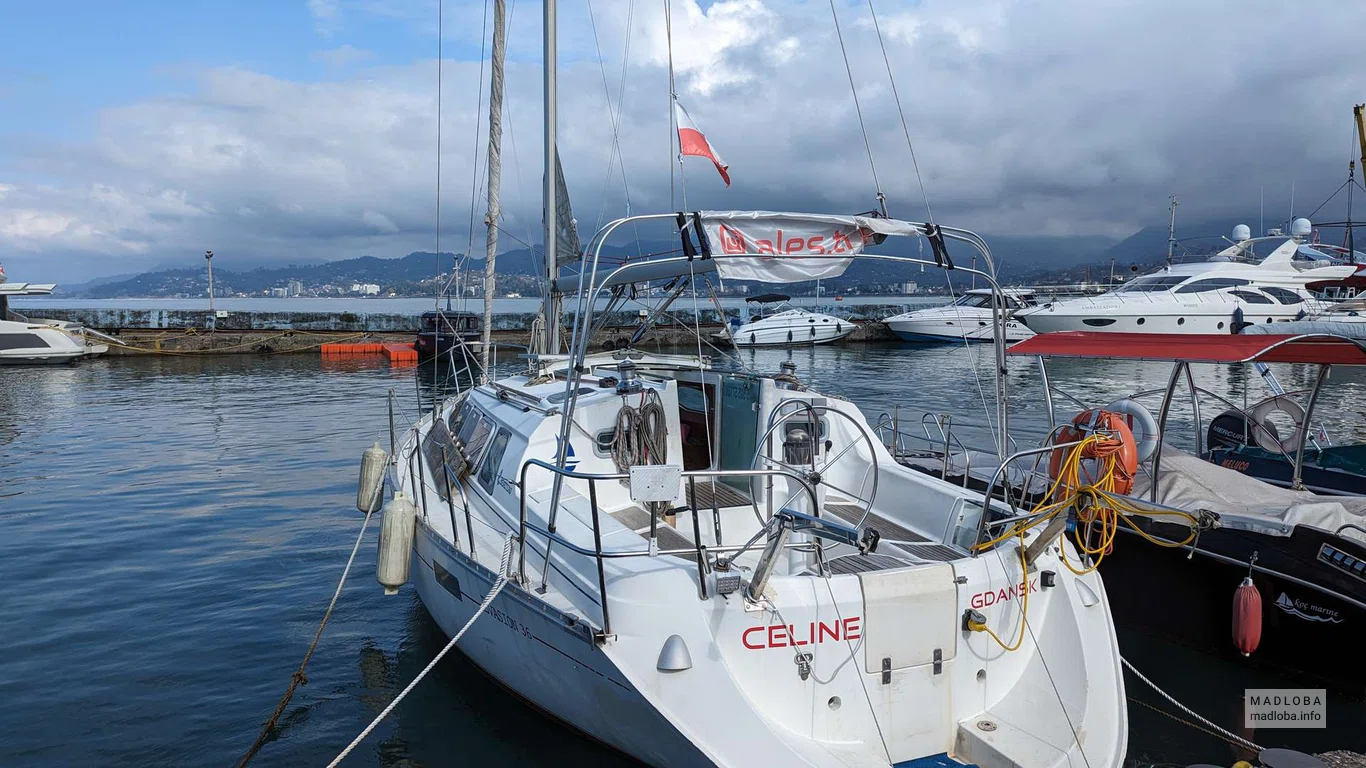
(600, 555)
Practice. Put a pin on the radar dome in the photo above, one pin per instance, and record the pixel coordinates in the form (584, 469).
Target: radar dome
(1241, 233)
(1301, 228)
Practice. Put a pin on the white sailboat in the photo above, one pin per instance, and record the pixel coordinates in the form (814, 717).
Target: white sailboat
(722, 568)
(712, 567)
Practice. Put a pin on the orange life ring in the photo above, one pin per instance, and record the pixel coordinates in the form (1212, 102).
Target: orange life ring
(1117, 444)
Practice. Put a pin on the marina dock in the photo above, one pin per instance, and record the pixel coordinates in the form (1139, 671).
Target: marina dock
(195, 332)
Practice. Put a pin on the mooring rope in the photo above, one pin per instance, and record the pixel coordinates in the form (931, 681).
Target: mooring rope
(299, 678)
(503, 569)
(1231, 737)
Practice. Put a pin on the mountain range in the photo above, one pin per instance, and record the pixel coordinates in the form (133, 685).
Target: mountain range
(1018, 258)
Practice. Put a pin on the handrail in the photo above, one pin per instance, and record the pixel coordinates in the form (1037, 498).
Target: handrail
(597, 552)
(1353, 526)
(991, 487)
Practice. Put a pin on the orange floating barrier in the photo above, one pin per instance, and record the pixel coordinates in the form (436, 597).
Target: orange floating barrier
(397, 354)
(348, 350)
(400, 354)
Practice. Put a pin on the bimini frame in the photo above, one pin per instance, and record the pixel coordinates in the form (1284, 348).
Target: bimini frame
(1322, 350)
(589, 288)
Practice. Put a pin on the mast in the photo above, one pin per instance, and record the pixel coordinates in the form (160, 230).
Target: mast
(1171, 231)
(495, 179)
(1351, 182)
(550, 304)
(1361, 138)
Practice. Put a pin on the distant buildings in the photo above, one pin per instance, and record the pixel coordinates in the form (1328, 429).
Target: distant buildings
(910, 286)
(365, 289)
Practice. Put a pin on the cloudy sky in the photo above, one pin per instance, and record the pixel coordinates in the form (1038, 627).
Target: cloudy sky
(139, 134)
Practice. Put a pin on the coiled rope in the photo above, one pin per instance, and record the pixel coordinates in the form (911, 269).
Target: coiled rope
(504, 569)
(641, 434)
(1095, 504)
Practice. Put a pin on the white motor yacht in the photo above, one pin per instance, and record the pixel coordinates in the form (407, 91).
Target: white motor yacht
(968, 318)
(780, 324)
(1231, 290)
(30, 341)
(718, 567)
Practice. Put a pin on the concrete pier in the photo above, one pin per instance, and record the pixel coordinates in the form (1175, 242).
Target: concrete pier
(182, 332)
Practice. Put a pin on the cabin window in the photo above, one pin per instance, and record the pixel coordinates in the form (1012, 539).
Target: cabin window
(474, 434)
(1099, 322)
(603, 441)
(22, 341)
(1149, 283)
(1251, 297)
(972, 300)
(1284, 295)
(494, 459)
(1211, 284)
(458, 417)
(437, 451)
(559, 397)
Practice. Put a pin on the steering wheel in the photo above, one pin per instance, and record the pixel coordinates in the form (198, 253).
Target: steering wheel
(816, 471)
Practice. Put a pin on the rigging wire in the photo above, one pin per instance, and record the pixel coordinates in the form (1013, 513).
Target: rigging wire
(673, 97)
(455, 268)
(615, 158)
(972, 353)
(858, 109)
(478, 109)
(537, 258)
(886, 60)
(701, 368)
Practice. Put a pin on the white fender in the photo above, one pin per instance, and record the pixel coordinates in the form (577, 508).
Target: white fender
(1142, 423)
(1263, 410)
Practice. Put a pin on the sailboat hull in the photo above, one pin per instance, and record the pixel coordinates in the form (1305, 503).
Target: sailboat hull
(543, 656)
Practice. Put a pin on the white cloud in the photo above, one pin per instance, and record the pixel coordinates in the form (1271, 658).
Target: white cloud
(1058, 117)
(342, 56)
(326, 15)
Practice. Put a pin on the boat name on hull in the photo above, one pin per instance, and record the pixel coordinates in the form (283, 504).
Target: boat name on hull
(992, 597)
(789, 636)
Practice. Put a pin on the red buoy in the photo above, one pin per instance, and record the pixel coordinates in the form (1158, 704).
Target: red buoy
(1247, 617)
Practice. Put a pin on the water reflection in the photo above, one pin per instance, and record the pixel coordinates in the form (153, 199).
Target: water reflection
(188, 518)
(494, 727)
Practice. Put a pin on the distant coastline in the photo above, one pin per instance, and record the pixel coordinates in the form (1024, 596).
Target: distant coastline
(408, 306)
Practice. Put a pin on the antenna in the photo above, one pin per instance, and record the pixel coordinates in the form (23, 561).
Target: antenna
(1171, 231)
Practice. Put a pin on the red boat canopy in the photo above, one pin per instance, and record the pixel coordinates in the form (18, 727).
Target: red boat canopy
(1197, 348)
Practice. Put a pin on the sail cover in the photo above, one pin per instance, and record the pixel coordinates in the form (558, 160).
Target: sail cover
(567, 248)
(791, 247)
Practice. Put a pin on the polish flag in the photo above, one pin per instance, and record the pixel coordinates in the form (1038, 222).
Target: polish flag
(692, 142)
